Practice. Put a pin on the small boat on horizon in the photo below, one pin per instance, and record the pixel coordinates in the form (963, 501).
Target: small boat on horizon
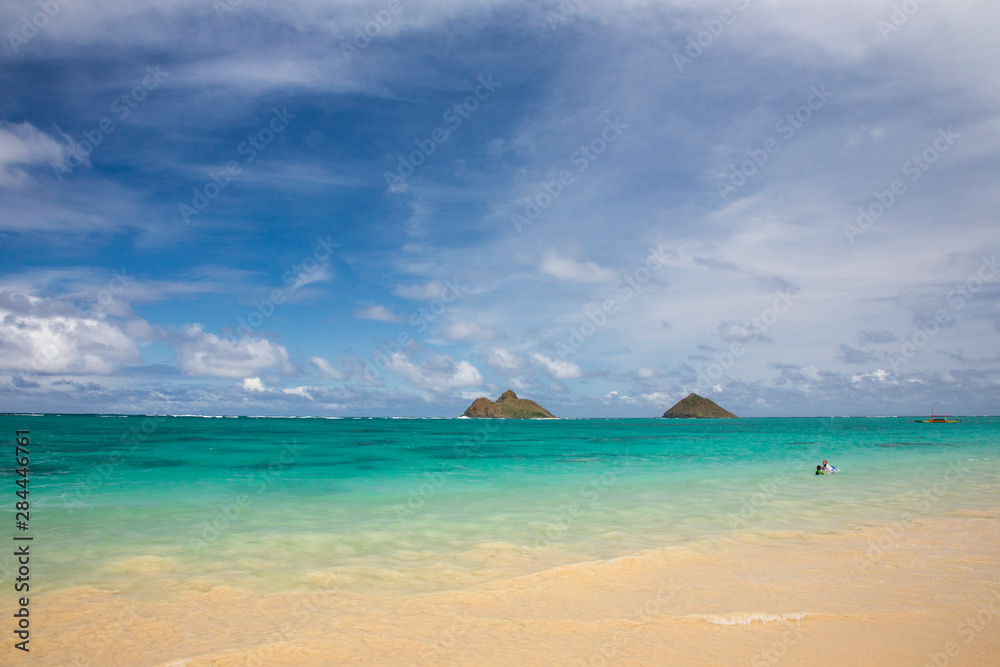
(937, 419)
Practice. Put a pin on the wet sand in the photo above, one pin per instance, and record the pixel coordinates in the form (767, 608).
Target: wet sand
(925, 592)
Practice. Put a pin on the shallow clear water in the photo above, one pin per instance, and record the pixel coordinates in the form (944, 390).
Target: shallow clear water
(137, 503)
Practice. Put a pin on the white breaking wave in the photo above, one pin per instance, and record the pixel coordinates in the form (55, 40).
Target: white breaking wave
(746, 618)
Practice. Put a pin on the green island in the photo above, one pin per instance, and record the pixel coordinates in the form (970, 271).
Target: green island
(508, 406)
(694, 406)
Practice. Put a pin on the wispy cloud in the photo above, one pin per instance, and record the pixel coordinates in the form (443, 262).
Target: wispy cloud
(557, 368)
(377, 313)
(22, 147)
(565, 268)
(328, 370)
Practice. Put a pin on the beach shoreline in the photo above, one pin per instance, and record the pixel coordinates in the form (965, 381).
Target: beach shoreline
(927, 592)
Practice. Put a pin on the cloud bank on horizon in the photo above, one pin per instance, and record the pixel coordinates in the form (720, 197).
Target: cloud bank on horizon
(391, 208)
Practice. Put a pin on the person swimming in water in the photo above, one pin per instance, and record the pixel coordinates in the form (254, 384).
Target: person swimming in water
(827, 467)
(819, 470)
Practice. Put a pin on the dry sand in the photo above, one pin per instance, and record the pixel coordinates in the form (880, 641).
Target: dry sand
(926, 593)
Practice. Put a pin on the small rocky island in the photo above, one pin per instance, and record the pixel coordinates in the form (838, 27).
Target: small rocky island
(694, 406)
(508, 406)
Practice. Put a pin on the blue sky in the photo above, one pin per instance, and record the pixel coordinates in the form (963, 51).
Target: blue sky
(391, 208)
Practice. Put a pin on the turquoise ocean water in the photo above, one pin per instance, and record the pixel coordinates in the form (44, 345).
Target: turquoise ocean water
(156, 503)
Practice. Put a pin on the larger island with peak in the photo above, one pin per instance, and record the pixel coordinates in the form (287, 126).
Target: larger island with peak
(508, 406)
(694, 406)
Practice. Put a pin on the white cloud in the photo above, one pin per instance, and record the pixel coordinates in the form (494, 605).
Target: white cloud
(468, 331)
(49, 336)
(557, 368)
(520, 383)
(378, 313)
(24, 145)
(732, 331)
(613, 396)
(502, 360)
(329, 371)
(438, 372)
(252, 384)
(660, 398)
(205, 354)
(879, 376)
(298, 391)
(581, 272)
(248, 72)
(321, 274)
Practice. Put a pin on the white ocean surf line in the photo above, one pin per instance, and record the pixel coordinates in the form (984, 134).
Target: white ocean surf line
(746, 618)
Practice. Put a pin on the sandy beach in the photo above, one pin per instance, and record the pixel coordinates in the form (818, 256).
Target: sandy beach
(919, 593)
